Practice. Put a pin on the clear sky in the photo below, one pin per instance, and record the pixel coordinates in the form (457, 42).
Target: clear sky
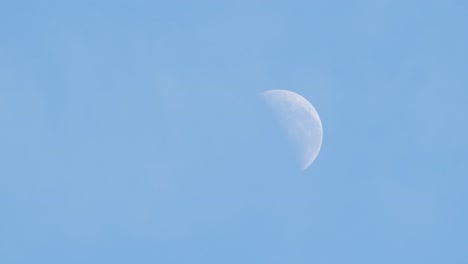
(132, 132)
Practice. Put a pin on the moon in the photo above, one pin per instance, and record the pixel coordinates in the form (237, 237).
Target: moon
(300, 121)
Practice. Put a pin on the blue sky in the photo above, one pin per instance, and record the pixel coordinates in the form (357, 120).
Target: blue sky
(132, 132)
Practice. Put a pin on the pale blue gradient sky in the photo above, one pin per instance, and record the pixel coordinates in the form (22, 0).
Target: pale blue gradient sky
(132, 132)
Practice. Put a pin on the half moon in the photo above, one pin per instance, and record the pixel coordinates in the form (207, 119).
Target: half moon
(301, 122)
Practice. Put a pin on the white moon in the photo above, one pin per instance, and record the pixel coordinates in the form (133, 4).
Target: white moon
(301, 122)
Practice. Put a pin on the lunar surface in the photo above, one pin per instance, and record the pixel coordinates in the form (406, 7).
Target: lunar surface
(301, 123)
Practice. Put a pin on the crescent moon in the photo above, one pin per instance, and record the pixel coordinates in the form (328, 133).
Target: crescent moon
(301, 122)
